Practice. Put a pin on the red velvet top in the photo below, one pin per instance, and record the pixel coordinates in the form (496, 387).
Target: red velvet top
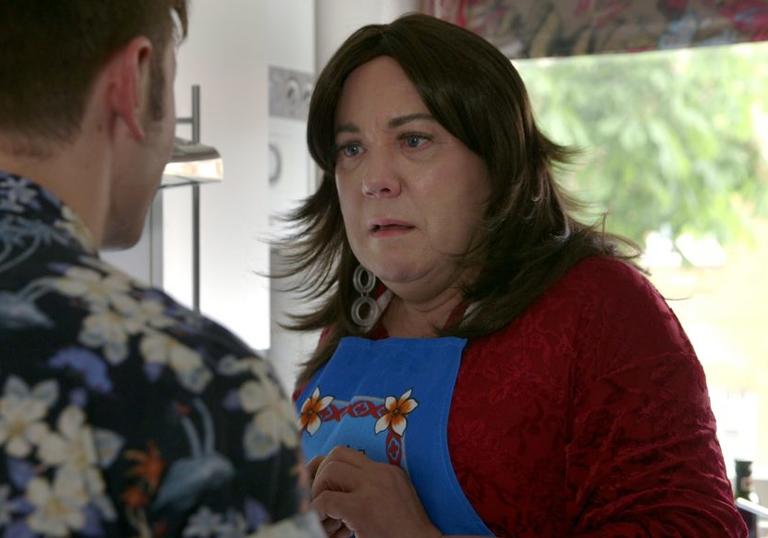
(589, 416)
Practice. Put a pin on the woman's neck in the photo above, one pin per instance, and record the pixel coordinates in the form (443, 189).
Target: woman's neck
(408, 319)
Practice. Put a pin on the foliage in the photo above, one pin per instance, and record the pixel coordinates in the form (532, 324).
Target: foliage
(671, 140)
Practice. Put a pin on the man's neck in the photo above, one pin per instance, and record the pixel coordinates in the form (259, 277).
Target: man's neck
(75, 173)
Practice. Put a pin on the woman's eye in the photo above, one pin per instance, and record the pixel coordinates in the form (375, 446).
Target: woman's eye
(415, 141)
(351, 150)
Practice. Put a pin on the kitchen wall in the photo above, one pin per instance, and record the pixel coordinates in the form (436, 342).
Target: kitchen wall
(226, 53)
(303, 39)
(291, 57)
(231, 46)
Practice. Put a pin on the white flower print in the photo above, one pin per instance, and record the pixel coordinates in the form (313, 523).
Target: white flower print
(115, 315)
(298, 526)
(274, 423)
(72, 444)
(90, 285)
(143, 313)
(203, 524)
(74, 225)
(188, 364)
(21, 411)
(17, 193)
(233, 527)
(20, 426)
(309, 418)
(112, 271)
(58, 507)
(72, 448)
(231, 366)
(398, 409)
(207, 524)
(110, 331)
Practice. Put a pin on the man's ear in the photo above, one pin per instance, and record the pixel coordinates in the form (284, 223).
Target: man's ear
(129, 73)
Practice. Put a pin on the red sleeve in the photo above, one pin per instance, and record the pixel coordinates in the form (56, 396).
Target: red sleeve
(642, 458)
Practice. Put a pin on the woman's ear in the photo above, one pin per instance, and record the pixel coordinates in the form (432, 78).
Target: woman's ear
(129, 72)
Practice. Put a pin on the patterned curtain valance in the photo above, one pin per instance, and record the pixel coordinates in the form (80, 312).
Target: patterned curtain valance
(539, 28)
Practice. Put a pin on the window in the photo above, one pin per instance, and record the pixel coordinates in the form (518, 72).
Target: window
(675, 150)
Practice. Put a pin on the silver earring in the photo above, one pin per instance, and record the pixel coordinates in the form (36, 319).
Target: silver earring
(365, 310)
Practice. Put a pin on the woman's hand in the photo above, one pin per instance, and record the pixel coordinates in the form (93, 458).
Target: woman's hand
(334, 528)
(355, 495)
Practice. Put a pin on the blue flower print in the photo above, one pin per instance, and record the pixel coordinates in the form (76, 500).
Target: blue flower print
(92, 367)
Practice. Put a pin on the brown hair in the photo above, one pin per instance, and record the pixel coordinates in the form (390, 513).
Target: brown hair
(529, 238)
(51, 50)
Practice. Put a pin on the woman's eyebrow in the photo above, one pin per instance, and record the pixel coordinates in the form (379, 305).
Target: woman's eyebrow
(402, 120)
(392, 124)
(347, 128)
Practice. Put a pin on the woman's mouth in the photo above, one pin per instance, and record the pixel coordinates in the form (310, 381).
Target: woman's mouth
(389, 229)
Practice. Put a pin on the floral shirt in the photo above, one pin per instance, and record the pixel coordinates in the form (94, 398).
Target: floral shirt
(123, 413)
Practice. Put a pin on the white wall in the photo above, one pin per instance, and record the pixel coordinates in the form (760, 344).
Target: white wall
(230, 47)
(337, 19)
(226, 53)
(302, 38)
(229, 50)
(291, 38)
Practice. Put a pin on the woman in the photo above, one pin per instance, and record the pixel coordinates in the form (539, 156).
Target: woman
(489, 365)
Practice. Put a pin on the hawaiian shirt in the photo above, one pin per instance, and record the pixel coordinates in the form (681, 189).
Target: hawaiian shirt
(123, 413)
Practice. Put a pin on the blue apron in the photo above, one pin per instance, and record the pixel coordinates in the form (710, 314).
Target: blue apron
(390, 399)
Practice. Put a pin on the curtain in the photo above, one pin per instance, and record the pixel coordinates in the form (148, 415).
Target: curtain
(540, 28)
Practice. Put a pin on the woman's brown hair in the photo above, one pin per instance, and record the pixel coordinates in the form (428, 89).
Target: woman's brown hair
(529, 238)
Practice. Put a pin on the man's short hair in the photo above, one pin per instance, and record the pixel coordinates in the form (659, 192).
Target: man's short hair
(51, 51)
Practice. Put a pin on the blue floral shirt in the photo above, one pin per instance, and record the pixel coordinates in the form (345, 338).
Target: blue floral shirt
(123, 413)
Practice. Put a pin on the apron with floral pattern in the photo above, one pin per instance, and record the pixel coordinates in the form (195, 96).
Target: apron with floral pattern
(390, 399)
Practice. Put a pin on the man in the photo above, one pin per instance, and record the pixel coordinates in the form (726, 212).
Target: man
(121, 412)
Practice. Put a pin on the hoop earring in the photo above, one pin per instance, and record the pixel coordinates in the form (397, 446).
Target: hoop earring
(365, 310)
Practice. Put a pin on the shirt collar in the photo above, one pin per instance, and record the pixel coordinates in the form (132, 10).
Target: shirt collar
(22, 198)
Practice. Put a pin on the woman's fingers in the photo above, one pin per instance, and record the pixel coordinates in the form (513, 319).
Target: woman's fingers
(337, 476)
(357, 496)
(344, 532)
(332, 526)
(335, 528)
(339, 454)
(373, 501)
(313, 466)
(336, 505)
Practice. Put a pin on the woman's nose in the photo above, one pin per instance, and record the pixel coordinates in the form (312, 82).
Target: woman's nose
(381, 179)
